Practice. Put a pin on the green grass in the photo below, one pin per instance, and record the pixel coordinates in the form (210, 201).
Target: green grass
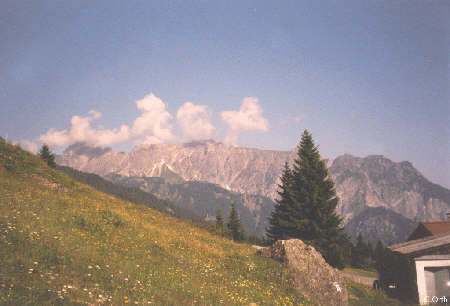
(62, 242)
(361, 295)
(361, 272)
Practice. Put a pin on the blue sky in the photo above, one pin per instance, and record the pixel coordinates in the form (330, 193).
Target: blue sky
(365, 77)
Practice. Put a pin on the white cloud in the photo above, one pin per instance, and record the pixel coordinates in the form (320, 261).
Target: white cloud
(55, 138)
(94, 114)
(154, 119)
(248, 118)
(152, 123)
(81, 131)
(30, 146)
(194, 121)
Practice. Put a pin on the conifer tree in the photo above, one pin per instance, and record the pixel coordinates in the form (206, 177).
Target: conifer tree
(234, 224)
(370, 255)
(359, 252)
(219, 221)
(379, 254)
(47, 156)
(279, 227)
(306, 205)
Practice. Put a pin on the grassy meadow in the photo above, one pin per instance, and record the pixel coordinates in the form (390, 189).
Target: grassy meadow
(62, 242)
(361, 272)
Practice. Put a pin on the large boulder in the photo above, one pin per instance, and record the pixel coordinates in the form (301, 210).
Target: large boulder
(311, 275)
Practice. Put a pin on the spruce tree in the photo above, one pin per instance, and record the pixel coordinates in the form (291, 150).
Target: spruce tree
(370, 256)
(219, 221)
(279, 227)
(234, 224)
(306, 205)
(379, 254)
(47, 156)
(359, 252)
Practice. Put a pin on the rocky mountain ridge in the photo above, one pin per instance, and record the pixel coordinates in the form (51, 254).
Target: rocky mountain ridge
(244, 170)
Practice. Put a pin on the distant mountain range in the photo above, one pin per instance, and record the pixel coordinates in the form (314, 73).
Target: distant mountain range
(361, 183)
(243, 170)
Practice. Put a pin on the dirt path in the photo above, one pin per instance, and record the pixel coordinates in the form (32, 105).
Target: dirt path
(366, 280)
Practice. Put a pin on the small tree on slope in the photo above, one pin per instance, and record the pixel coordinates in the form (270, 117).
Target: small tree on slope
(47, 156)
(306, 205)
(234, 224)
(219, 221)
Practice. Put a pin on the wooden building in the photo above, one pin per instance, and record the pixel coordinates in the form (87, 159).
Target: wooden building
(426, 262)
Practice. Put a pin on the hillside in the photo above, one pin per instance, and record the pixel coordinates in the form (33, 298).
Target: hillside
(379, 223)
(65, 242)
(132, 194)
(204, 199)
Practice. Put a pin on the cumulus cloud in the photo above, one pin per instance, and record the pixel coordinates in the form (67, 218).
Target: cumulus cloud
(153, 123)
(82, 131)
(194, 121)
(29, 145)
(94, 114)
(249, 117)
(154, 119)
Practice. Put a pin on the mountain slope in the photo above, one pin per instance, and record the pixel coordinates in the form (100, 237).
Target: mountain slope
(379, 223)
(65, 242)
(134, 195)
(204, 199)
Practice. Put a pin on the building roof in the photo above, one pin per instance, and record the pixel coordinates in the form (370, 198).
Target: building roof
(437, 228)
(433, 257)
(419, 245)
